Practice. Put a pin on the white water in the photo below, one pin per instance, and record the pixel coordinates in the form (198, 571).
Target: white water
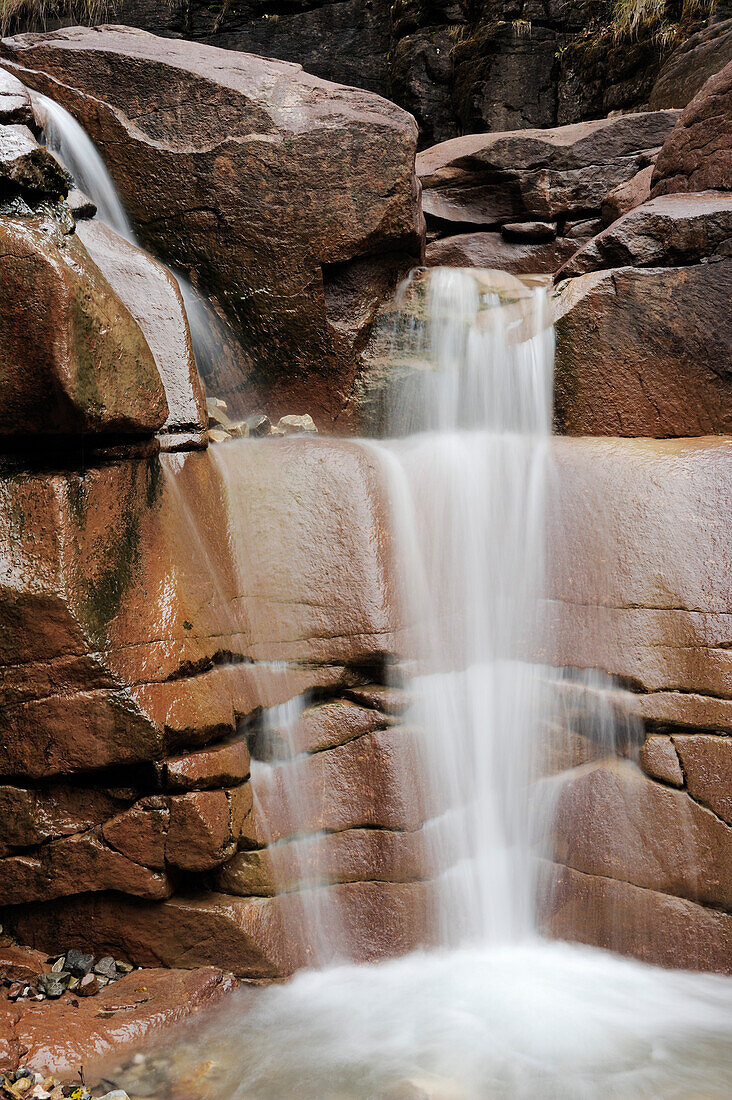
(78, 153)
(497, 1012)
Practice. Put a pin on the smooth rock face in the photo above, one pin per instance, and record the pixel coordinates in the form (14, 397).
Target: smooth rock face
(691, 65)
(75, 360)
(487, 179)
(152, 296)
(60, 1036)
(626, 196)
(281, 183)
(490, 250)
(642, 352)
(697, 156)
(707, 764)
(669, 231)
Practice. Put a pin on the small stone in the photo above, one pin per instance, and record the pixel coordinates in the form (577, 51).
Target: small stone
(529, 232)
(39, 1093)
(59, 965)
(22, 1072)
(107, 967)
(258, 425)
(88, 986)
(53, 985)
(124, 967)
(294, 425)
(78, 962)
(15, 991)
(25, 1084)
(117, 1094)
(239, 429)
(218, 435)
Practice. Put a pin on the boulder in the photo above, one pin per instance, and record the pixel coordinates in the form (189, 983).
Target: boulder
(76, 361)
(153, 297)
(691, 64)
(697, 156)
(15, 103)
(26, 167)
(488, 179)
(220, 766)
(265, 183)
(490, 250)
(669, 231)
(641, 351)
(626, 196)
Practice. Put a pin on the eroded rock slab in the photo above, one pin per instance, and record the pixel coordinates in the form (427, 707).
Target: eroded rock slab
(262, 181)
(697, 155)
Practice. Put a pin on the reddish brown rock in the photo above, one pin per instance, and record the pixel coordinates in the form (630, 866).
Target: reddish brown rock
(200, 835)
(152, 296)
(707, 764)
(356, 855)
(133, 630)
(612, 821)
(30, 816)
(657, 928)
(78, 362)
(697, 156)
(668, 231)
(140, 832)
(626, 196)
(56, 1037)
(75, 865)
(321, 727)
(490, 250)
(20, 964)
(691, 64)
(660, 760)
(487, 179)
(279, 185)
(15, 103)
(220, 766)
(26, 167)
(642, 353)
(371, 782)
(251, 937)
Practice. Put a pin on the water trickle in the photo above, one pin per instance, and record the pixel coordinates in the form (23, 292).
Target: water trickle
(75, 149)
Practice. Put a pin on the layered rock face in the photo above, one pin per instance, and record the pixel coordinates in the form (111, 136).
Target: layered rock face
(465, 66)
(133, 811)
(291, 201)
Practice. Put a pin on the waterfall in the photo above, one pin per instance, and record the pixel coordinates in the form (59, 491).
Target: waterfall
(80, 156)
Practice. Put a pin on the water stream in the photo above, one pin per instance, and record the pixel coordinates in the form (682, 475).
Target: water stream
(494, 1010)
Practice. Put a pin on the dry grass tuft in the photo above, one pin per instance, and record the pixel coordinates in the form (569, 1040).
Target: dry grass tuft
(85, 11)
(632, 16)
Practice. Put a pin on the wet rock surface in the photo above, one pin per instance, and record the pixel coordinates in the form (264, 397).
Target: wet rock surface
(283, 183)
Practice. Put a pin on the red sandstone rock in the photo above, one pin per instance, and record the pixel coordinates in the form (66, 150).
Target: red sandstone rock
(152, 296)
(654, 927)
(200, 835)
(697, 156)
(626, 196)
(660, 760)
(641, 352)
(252, 937)
(20, 964)
(707, 764)
(26, 167)
(77, 361)
(219, 766)
(281, 186)
(489, 250)
(486, 179)
(355, 855)
(57, 1037)
(613, 822)
(667, 231)
(140, 832)
(29, 816)
(322, 727)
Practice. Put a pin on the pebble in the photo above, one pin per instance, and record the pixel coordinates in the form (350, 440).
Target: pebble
(258, 425)
(53, 985)
(88, 986)
(296, 425)
(78, 962)
(107, 967)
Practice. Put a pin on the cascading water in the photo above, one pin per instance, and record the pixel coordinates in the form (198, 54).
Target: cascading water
(495, 1011)
(75, 149)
